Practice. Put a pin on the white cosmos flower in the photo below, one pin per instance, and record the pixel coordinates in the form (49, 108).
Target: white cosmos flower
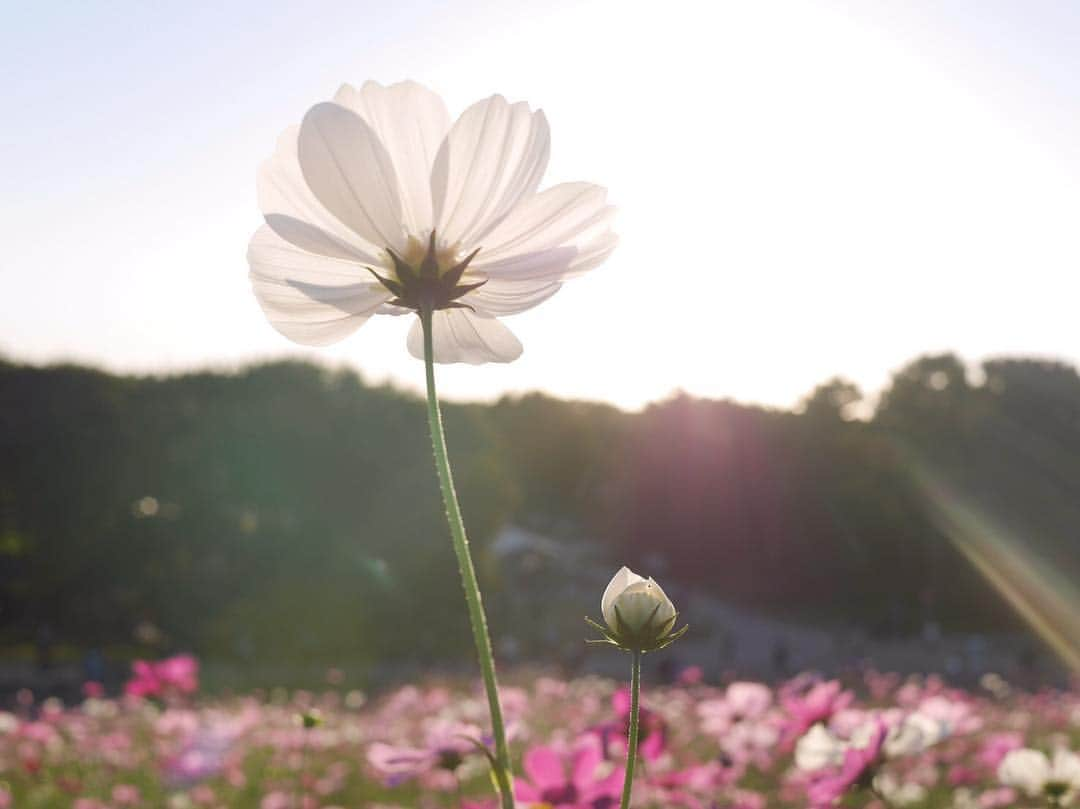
(1036, 774)
(899, 793)
(376, 172)
(818, 749)
(638, 602)
(915, 733)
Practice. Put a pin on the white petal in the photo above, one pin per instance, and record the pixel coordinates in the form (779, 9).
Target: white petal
(493, 157)
(351, 174)
(463, 336)
(285, 198)
(1066, 768)
(907, 738)
(592, 255)
(504, 297)
(311, 299)
(522, 282)
(314, 239)
(667, 608)
(818, 749)
(411, 122)
(748, 699)
(569, 214)
(1025, 769)
(622, 579)
(544, 265)
(557, 234)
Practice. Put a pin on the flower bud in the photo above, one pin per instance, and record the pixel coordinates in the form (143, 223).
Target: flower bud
(639, 615)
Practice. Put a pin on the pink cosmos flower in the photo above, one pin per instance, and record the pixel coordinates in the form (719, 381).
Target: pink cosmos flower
(180, 672)
(173, 675)
(144, 681)
(692, 675)
(572, 780)
(40, 732)
(743, 722)
(959, 775)
(693, 787)
(954, 710)
(996, 746)
(742, 701)
(881, 684)
(205, 752)
(126, 795)
(746, 799)
(817, 704)
(998, 798)
(203, 795)
(857, 769)
(652, 730)
(445, 748)
(276, 800)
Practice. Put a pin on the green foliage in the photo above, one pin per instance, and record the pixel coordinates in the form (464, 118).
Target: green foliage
(291, 512)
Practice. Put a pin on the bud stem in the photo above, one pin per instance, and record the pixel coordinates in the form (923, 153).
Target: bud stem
(477, 618)
(632, 740)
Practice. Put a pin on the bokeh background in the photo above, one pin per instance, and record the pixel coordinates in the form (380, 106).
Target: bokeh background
(825, 390)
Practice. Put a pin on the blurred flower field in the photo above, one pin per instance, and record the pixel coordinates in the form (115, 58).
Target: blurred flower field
(881, 741)
(878, 741)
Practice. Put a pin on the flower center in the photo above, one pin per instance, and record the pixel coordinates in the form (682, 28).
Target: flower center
(421, 283)
(449, 759)
(1055, 789)
(567, 793)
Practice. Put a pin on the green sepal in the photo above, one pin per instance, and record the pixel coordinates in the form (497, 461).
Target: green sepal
(423, 288)
(404, 271)
(310, 719)
(649, 639)
(453, 275)
(457, 292)
(393, 286)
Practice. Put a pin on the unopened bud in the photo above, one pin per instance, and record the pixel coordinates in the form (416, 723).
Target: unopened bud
(639, 615)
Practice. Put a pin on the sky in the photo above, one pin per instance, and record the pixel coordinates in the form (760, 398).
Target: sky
(805, 189)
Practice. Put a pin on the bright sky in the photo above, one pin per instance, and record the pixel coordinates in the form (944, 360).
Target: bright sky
(805, 188)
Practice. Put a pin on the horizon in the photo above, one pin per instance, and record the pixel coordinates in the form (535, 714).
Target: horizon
(862, 410)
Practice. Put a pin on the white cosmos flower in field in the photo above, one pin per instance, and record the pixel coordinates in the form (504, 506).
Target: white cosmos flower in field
(631, 602)
(1056, 777)
(908, 736)
(639, 615)
(376, 202)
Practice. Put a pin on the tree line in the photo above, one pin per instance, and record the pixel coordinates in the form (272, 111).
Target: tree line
(284, 510)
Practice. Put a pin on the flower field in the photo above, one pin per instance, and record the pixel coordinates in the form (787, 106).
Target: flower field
(877, 740)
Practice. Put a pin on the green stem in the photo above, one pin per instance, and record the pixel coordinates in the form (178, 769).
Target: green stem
(477, 618)
(632, 740)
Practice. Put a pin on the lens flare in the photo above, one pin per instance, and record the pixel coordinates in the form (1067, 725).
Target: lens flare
(1041, 595)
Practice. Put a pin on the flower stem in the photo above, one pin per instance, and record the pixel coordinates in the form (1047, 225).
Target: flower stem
(477, 618)
(632, 740)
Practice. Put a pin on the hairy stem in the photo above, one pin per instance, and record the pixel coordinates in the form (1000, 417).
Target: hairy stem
(477, 618)
(632, 739)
